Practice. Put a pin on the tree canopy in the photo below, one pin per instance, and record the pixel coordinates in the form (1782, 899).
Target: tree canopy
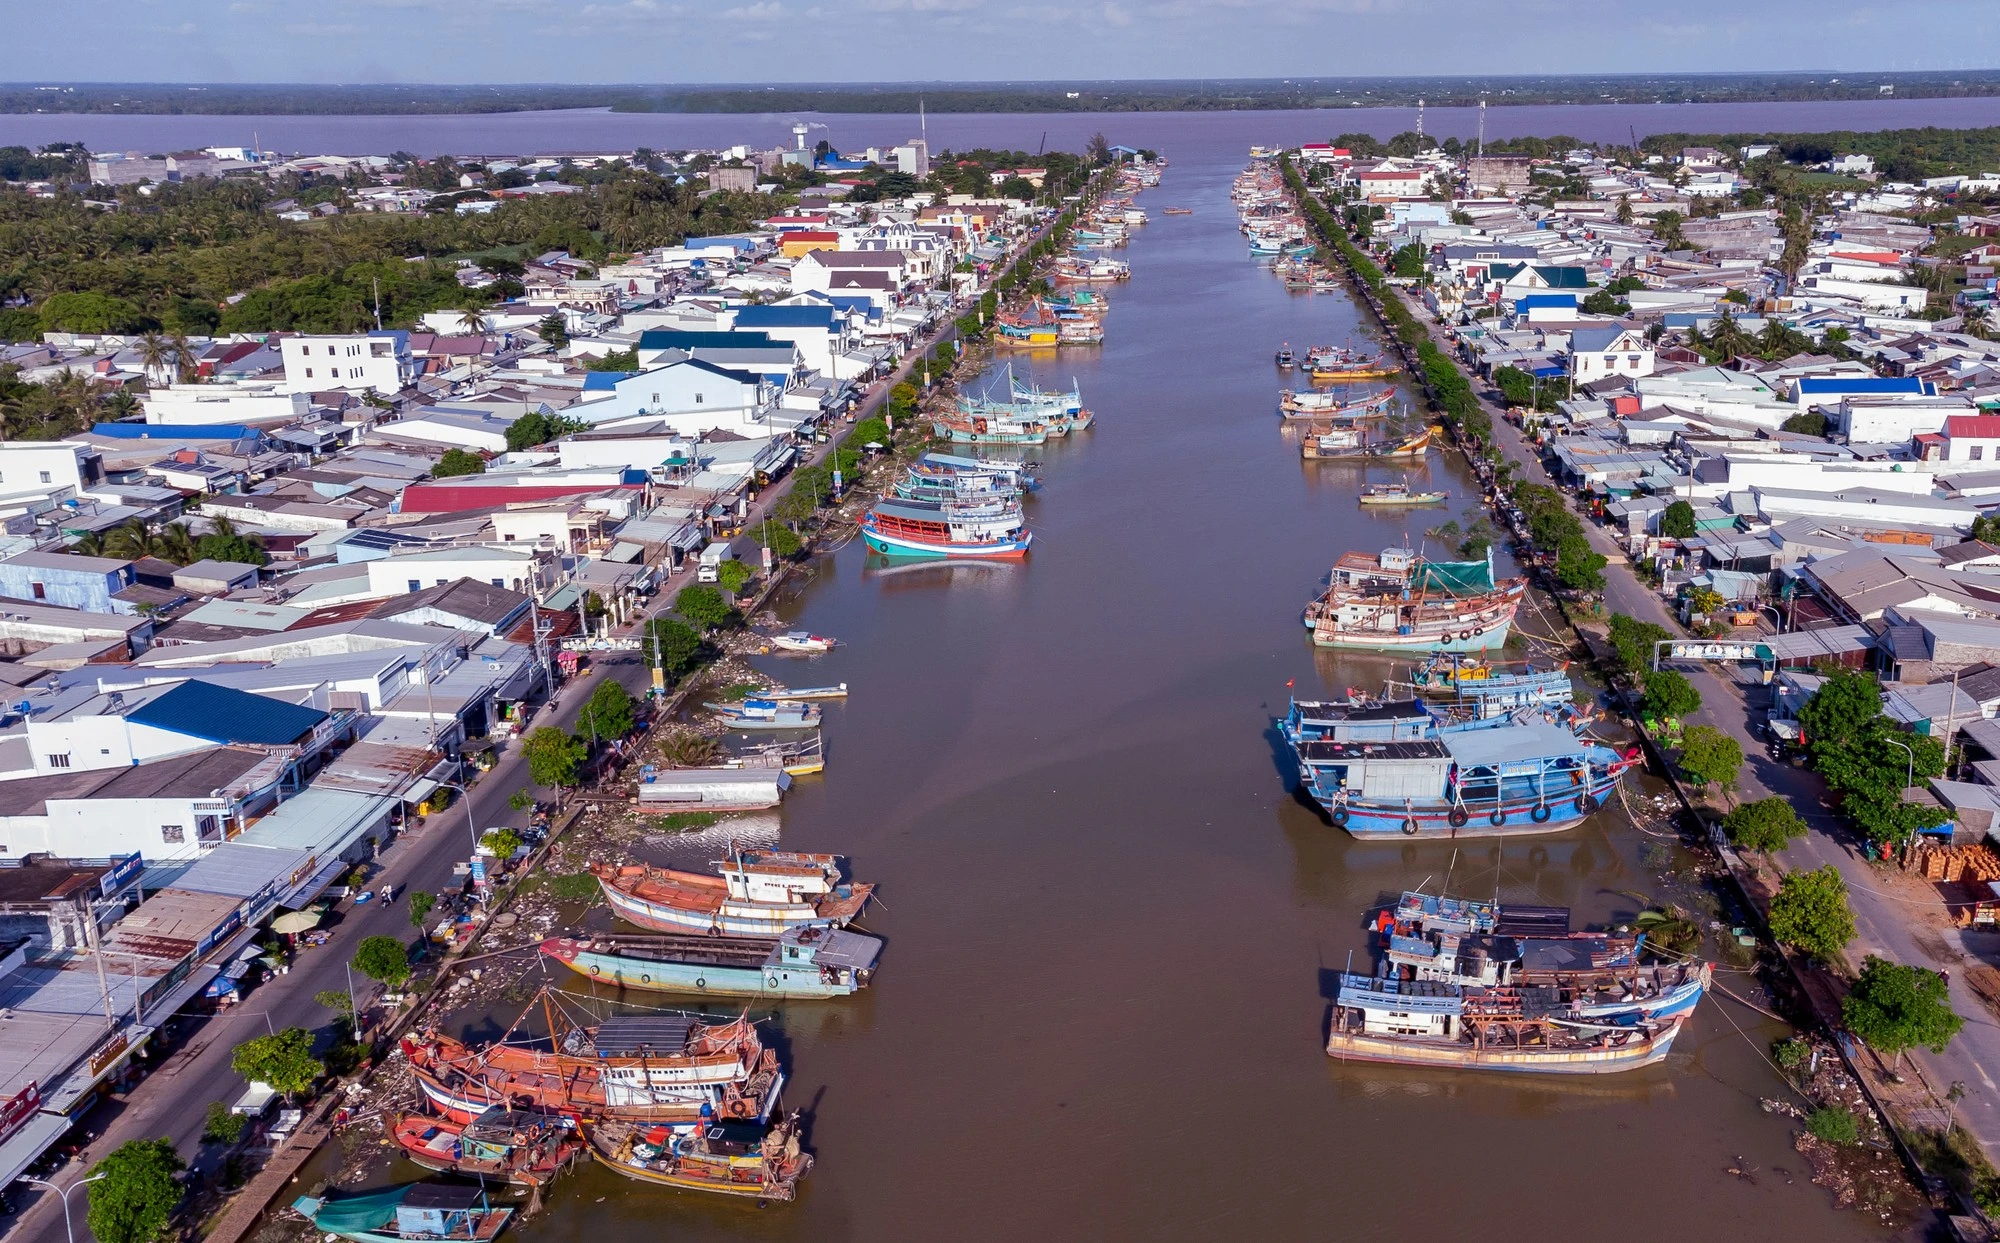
(385, 960)
(284, 1060)
(1810, 913)
(136, 1197)
(456, 462)
(554, 758)
(1893, 1007)
(610, 713)
(1709, 756)
(1670, 694)
(1677, 521)
(1768, 824)
(704, 606)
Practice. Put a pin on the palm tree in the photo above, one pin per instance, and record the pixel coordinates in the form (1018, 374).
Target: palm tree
(184, 357)
(129, 540)
(154, 352)
(90, 544)
(175, 543)
(473, 319)
(1976, 321)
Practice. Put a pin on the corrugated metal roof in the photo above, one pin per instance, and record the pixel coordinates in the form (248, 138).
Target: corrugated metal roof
(241, 870)
(204, 710)
(324, 822)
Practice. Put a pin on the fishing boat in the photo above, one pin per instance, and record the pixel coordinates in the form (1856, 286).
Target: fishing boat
(936, 486)
(1091, 269)
(980, 427)
(808, 692)
(802, 641)
(755, 893)
(1402, 601)
(1021, 475)
(1032, 327)
(762, 714)
(411, 1211)
(1398, 494)
(1285, 359)
(1372, 370)
(1325, 404)
(525, 1149)
(1056, 408)
(1321, 407)
(1356, 443)
(730, 1158)
(1177, 211)
(797, 758)
(1394, 770)
(671, 1069)
(1489, 690)
(804, 963)
(905, 528)
(1418, 1023)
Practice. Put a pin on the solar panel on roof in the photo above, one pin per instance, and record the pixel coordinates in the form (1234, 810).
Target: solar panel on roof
(630, 1035)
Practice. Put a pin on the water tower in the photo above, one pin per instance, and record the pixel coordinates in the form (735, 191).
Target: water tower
(799, 131)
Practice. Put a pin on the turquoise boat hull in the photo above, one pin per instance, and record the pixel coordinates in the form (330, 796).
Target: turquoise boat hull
(776, 983)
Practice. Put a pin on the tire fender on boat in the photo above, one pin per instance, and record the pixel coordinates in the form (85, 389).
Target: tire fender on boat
(1464, 635)
(738, 1108)
(1339, 816)
(772, 982)
(700, 983)
(597, 971)
(1496, 817)
(1586, 803)
(1456, 817)
(1410, 826)
(645, 979)
(1541, 813)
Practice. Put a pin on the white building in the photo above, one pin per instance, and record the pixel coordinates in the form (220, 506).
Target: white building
(402, 573)
(1852, 165)
(255, 402)
(369, 360)
(1972, 438)
(1601, 353)
(33, 470)
(689, 398)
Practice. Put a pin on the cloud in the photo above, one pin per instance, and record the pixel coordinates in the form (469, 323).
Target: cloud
(762, 11)
(1115, 16)
(321, 30)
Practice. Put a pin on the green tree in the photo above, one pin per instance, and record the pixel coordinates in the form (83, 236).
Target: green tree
(90, 312)
(457, 462)
(1845, 705)
(1677, 521)
(385, 960)
(1834, 1124)
(615, 360)
(1808, 424)
(420, 907)
(553, 331)
(732, 575)
(704, 606)
(1709, 756)
(1635, 641)
(1408, 261)
(1893, 1007)
(223, 1125)
(284, 1060)
(554, 757)
(676, 645)
(1669, 694)
(1810, 913)
(611, 712)
(502, 842)
(1768, 824)
(780, 539)
(135, 1198)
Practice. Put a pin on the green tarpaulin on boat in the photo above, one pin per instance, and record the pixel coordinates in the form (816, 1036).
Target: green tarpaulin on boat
(369, 1211)
(1458, 578)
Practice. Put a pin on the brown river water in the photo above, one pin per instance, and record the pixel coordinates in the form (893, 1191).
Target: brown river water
(1111, 927)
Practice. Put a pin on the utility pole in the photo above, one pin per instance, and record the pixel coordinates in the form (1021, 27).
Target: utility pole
(1482, 125)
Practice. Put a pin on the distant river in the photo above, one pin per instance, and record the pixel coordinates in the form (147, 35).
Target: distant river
(1180, 134)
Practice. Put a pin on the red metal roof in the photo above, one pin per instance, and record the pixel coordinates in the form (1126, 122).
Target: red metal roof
(444, 498)
(1973, 427)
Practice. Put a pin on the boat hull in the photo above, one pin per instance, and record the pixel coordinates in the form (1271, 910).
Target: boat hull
(729, 921)
(1360, 1047)
(897, 546)
(647, 975)
(1384, 821)
(1452, 641)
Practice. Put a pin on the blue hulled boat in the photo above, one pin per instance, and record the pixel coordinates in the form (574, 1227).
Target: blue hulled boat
(1395, 770)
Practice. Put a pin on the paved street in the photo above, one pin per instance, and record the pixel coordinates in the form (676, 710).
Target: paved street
(1894, 917)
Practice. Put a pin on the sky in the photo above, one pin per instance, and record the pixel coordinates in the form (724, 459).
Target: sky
(779, 41)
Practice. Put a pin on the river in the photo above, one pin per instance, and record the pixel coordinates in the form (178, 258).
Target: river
(1189, 135)
(1110, 927)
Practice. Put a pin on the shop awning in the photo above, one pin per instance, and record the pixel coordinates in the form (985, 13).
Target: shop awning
(420, 790)
(25, 1146)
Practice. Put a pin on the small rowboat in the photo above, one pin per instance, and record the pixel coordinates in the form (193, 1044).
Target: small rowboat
(1398, 494)
(802, 641)
(733, 1158)
(1177, 211)
(808, 692)
(526, 1149)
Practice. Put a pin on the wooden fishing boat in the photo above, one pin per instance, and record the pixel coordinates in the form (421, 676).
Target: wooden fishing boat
(1354, 443)
(756, 893)
(1398, 494)
(808, 692)
(766, 714)
(409, 1212)
(738, 1159)
(903, 528)
(797, 758)
(672, 1069)
(1401, 601)
(804, 963)
(1311, 406)
(1177, 211)
(525, 1149)
(1419, 1023)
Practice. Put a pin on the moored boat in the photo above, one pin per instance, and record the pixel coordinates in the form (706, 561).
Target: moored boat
(1395, 771)
(1401, 601)
(412, 1211)
(1398, 494)
(763, 714)
(737, 1159)
(669, 1069)
(525, 1149)
(757, 893)
(803, 963)
(1416, 1023)
(1357, 443)
(803, 641)
(906, 528)
(808, 692)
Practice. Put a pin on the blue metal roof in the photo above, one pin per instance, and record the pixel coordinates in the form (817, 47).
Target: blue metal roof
(605, 381)
(173, 431)
(220, 714)
(675, 339)
(1869, 384)
(784, 317)
(1545, 299)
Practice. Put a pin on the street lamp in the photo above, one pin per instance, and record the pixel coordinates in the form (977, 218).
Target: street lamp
(1909, 779)
(470, 825)
(63, 1194)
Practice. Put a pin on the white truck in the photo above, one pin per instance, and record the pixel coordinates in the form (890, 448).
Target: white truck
(708, 569)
